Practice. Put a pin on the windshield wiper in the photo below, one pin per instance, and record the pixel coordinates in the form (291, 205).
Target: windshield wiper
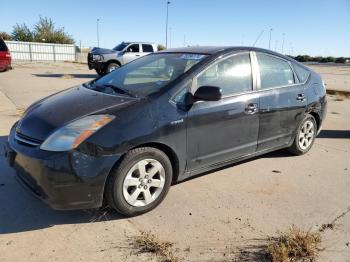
(116, 89)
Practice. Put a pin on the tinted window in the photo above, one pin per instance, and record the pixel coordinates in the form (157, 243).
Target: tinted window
(233, 75)
(134, 48)
(3, 46)
(274, 71)
(302, 73)
(147, 48)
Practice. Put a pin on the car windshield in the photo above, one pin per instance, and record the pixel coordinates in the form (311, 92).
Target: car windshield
(120, 47)
(146, 75)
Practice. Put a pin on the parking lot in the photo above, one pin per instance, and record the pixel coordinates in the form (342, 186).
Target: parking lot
(213, 217)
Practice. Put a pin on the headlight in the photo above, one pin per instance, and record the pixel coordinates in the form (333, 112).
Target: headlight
(73, 134)
(97, 57)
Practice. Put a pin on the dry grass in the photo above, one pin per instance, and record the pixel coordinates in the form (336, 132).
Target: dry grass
(294, 245)
(20, 111)
(146, 242)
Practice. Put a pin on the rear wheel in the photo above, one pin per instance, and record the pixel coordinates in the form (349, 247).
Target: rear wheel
(305, 136)
(140, 182)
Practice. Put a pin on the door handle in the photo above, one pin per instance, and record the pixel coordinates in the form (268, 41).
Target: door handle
(301, 97)
(137, 55)
(251, 108)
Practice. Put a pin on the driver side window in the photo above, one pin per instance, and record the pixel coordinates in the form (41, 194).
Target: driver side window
(233, 75)
(134, 48)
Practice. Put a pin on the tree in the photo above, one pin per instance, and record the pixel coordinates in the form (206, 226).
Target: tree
(5, 36)
(341, 60)
(45, 31)
(330, 59)
(324, 60)
(22, 33)
(161, 47)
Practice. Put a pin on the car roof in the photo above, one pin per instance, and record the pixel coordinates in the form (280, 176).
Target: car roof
(137, 42)
(212, 50)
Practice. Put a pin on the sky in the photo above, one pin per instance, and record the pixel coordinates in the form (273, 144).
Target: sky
(313, 27)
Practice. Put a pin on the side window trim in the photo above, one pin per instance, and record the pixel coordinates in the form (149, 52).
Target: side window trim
(194, 86)
(258, 86)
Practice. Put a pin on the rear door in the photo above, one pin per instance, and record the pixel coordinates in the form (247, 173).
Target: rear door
(282, 101)
(132, 52)
(223, 130)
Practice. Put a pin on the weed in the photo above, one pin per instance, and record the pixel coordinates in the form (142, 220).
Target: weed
(146, 242)
(294, 245)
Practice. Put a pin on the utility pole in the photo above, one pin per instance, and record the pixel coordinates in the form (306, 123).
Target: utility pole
(98, 32)
(283, 36)
(166, 23)
(270, 39)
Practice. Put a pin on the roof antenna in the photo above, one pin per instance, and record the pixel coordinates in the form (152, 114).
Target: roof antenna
(261, 33)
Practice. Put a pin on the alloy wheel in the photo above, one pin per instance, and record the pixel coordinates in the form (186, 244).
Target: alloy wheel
(144, 182)
(306, 134)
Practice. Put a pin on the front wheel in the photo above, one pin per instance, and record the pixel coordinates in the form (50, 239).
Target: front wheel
(111, 67)
(305, 136)
(140, 182)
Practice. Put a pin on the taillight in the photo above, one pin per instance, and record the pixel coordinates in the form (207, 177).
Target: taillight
(8, 54)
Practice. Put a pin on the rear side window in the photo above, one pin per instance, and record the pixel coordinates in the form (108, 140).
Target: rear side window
(302, 73)
(274, 72)
(233, 75)
(3, 46)
(134, 48)
(147, 48)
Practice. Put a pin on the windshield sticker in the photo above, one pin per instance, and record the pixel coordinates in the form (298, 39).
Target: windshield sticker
(192, 56)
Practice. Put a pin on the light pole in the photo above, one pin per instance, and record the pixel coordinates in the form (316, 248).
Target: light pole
(283, 42)
(270, 39)
(98, 32)
(166, 23)
(170, 36)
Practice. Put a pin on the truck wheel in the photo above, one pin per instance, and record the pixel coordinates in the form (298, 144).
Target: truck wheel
(111, 67)
(100, 72)
(140, 182)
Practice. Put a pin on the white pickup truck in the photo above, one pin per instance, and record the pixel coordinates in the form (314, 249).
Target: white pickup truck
(106, 60)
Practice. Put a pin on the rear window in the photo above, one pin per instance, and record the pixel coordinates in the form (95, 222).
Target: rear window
(147, 48)
(302, 73)
(3, 46)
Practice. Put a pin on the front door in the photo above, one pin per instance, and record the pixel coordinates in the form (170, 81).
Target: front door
(132, 52)
(223, 130)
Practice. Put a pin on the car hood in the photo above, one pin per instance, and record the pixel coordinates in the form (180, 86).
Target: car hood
(102, 51)
(48, 114)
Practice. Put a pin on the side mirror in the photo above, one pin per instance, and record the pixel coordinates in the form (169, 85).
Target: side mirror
(207, 93)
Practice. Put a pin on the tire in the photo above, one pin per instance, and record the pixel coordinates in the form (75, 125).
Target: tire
(127, 186)
(305, 136)
(100, 72)
(111, 67)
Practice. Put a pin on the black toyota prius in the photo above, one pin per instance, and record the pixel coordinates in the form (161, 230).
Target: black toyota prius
(123, 139)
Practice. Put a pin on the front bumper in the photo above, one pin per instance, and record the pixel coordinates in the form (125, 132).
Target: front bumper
(64, 180)
(97, 65)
